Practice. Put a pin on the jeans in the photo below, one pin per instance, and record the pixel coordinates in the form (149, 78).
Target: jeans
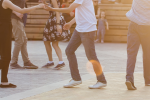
(101, 32)
(20, 42)
(87, 39)
(138, 34)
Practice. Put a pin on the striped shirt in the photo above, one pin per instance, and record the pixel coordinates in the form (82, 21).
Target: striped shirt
(140, 12)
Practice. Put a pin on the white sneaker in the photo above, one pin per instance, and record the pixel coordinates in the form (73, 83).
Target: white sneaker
(72, 83)
(102, 41)
(98, 85)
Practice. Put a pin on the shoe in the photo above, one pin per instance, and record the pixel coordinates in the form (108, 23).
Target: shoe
(130, 85)
(72, 83)
(98, 85)
(15, 66)
(29, 65)
(102, 41)
(48, 65)
(59, 66)
(147, 84)
(96, 41)
(8, 86)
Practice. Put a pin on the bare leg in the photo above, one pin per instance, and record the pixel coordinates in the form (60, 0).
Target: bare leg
(57, 50)
(48, 49)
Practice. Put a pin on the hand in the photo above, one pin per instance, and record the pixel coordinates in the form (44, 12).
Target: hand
(19, 15)
(59, 29)
(48, 8)
(71, 14)
(67, 26)
(41, 5)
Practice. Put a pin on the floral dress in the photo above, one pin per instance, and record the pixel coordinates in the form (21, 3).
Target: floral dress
(50, 31)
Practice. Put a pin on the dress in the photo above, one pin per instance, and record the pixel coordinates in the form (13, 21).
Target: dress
(50, 31)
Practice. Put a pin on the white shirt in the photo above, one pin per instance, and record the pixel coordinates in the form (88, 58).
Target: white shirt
(85, 16)
(140, 12)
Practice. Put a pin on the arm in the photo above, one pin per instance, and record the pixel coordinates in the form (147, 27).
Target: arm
(98, 12)
(69, 24)
(18, 14)
(8, 4)
(107, 25)
(63, 10)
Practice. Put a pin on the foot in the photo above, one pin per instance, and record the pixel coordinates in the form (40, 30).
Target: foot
(8, 86)
(59, 66)
(98, 85)
(130, 85)
(29, 65)
(48, 65)
(72, 83)
(147, 84)
(96, 41)
(102, 41)
(15, 66)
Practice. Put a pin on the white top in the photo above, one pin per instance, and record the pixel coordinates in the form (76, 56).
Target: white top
(140, 12)
(85, 16)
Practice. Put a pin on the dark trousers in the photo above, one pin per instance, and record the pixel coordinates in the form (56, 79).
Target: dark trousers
(138, 34)
(5, 49)
(87, 39)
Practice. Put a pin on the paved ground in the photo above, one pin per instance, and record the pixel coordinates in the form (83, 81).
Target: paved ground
(113, 60)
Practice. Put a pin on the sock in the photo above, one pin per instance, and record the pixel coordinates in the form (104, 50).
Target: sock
(50, 62)
(4, 83)
(60, 62)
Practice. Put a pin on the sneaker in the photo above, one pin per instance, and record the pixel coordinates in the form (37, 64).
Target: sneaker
(98, 85)
(8, 86)
(96, 41)
(59, 66)
(48, 65)
(72, 83)
(29, 65)
(130, 85)
(102, 41)
(147, 84)
(15, 66)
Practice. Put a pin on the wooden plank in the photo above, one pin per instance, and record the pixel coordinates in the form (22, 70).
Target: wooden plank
(35, 36)
(116, 38)
(116, 32)
(116, 13)
(38, 16)
(121, 18)
(37, 21)
(120, 23)
(115, 8)
(40, 11)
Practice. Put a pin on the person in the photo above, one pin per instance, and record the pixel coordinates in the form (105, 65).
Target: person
(20, 38)
(138, 33)
(6, 7)
(84, 33)
(53, 33)
(25, 15)
(101, 27)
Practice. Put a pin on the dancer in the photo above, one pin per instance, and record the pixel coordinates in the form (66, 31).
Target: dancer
(84, 33)
(20, 37)
(53, 33)
(6, 7)
(138, 33)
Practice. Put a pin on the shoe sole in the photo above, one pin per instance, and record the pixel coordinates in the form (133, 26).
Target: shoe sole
(25, 67)
(59, 67)
(129, 86)
(98, 87)
(72, 85)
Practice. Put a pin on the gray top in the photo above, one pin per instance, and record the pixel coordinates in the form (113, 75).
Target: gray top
(140, 12)
(21, 4)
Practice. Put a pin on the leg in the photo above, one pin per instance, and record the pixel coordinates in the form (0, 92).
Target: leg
(48, 49)
(74, 43)
(98, 34)
(133, 43)
(88, 43)
(57, 50)
(102, 35)
(19, 39)
(4, 71)
(145, 42)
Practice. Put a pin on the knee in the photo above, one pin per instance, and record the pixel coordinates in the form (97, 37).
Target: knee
(68, 51)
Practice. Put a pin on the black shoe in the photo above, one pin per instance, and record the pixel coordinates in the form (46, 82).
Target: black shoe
(130, 85)
(29, 65)
(48, 65)
(15, 66)
(59, 66)
(8, 86)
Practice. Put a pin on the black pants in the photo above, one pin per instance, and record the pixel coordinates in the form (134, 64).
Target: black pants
(5, 49)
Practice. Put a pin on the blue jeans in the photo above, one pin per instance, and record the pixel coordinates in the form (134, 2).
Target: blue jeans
(138, 34)
(87, 39)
